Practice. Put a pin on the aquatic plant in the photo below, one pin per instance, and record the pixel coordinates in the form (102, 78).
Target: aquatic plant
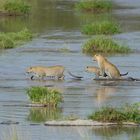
(127, 113)
(104, 44)
(45, 96)
(12, 39)
(94, 5)
(101, 27)
(5, 41)
(23, 35)
(16, 7)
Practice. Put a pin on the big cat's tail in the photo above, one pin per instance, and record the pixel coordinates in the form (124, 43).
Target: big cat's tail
(74, 76)
(124, 74)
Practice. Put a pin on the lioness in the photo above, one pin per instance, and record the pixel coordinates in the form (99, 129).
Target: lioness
(56, 72)
(96, 70)
(107, 67)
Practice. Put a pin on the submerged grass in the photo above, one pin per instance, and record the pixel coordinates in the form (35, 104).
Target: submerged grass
(104, 44)
(15, 7)
(127, 113)
(12, 39)
(101, 27)
(94, 5)
(44, 95)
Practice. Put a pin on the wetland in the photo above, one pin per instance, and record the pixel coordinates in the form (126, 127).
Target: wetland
(58, 27)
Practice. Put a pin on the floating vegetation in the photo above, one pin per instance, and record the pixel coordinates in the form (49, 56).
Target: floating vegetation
(104, 44)
(45, 96)
(12, 39)
(101, 27)
(127, 113)
(95, 6)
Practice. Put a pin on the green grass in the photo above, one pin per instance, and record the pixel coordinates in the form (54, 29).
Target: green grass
(44, 95)
(94, 5)
(127, 113)
(103, 44)
(13, 39)
(101, 27)
(16, 7)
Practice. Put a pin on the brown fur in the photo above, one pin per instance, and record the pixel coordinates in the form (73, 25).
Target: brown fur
(107, 67)
(51, 71)
(93, 69)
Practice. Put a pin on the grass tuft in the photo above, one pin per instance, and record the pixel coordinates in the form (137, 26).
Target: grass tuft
(5, 41)
(23, 35)
(12, 39)
(127, 113)
(102, 27)
(94, 5)
(16, 7)
(45, 96)
(104, 44)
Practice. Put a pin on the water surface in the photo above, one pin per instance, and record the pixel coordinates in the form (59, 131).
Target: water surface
(58, 27)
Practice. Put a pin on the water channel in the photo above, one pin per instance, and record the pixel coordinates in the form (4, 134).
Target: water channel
(57, 26)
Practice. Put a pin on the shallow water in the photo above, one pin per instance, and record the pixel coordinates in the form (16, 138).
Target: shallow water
(58, 26)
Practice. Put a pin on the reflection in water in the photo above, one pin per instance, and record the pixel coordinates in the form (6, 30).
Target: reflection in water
(58, 15)
(68, 133)
(38, 115)
(55, 17)
(111, 132)
(11, 134)
(84, 134)
(104, 93)
(60, 24)
(87, 18)
(14, 133)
